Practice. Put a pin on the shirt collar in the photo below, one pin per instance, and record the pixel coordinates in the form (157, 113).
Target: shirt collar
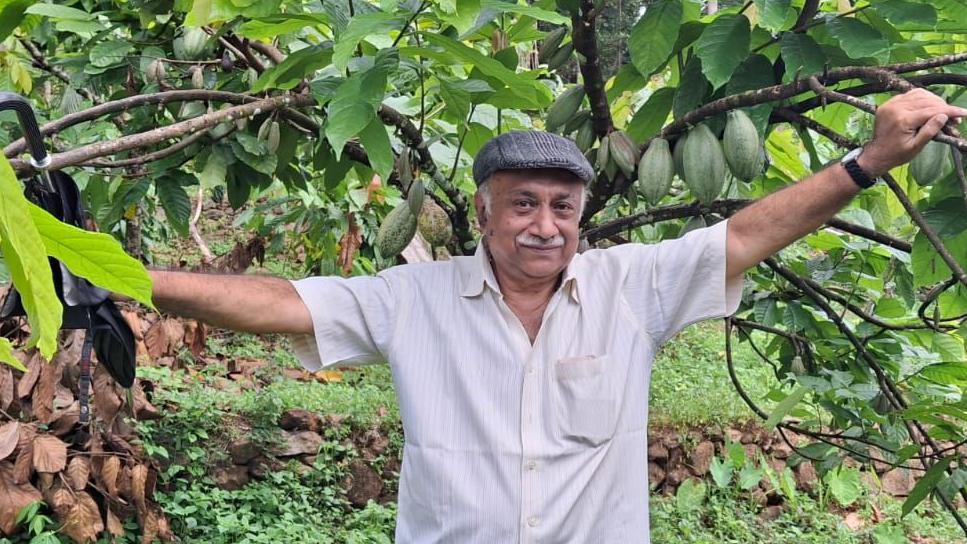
(479, 274)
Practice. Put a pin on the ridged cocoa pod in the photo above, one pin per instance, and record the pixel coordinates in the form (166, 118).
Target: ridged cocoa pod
(396, 231)
(560, 57)
(197, 77)
(677, 153)
(156, 71)
(742, 147)
(585, 136)
(415, 197)
(434, 224)
(604, 153)
(655, 171)
(624, 152)
(931, 163)
(551, 43)
(704, 164)
(577, 121)
(272, 141)
(566, 105)
(263, 133)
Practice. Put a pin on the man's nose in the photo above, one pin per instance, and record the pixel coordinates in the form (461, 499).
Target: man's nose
(544, 225)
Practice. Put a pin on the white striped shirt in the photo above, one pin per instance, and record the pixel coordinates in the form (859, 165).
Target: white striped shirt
(508, 441)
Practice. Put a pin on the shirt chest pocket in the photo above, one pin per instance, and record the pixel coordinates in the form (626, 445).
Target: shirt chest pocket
(586, 398)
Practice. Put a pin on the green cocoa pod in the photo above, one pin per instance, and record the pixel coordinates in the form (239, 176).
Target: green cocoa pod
(677, 153)
(560, 57)
(404, 168)
(550, 45)
(415, 197)
(697, 222)
(881, 404)
(197, 77)
(624, 152)
(797, 366)
(566, 105)
(396, 231)
(272, 140)
(221, 130)
(604, 153)
(741, 145)
(585, 136)
(241, 123)
(931, 163)
(704, 164)
(193, 42)
(227, 62)
(655, 171)
(156, 71)
(576, 121)
(434, 224)
(263, 133)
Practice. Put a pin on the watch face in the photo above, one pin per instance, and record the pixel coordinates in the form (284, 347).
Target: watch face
(852, 154)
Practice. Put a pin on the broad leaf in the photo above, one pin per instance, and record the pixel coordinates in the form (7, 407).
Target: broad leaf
(801, 55)
(94, 256)
(277, 25)
(785, 407)
(55, 11)
(692, 89)
(301, 64)
(376, 143)
(724, 44)
(654, 35)
(773, 13)
(907, 15)
(651, 116)
(175, 202)
(7, 357)
(360, 28)
(927, 483)
(858, 39)
(356, 100)
(754, 73)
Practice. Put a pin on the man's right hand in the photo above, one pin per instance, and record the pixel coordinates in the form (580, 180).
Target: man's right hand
(246, 303)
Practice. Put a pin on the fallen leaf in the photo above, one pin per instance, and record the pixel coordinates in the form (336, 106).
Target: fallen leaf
(114, 525)
(26, 384)
(9, 438)
(328, 376)
(139, 479)
(82, 523)
(107, 403)
(15, 497)
(134, 322)
(110, 469)
(62, 421)
(195, 334)
(854, 521)
(349, 244)
(50, 453)
(6, 387)
(43, 397)
(78, 472)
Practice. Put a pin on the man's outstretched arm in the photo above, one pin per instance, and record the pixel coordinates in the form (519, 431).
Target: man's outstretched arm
(904, 124)
(256, 304)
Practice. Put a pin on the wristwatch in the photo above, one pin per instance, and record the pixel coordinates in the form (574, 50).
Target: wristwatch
(854, 170)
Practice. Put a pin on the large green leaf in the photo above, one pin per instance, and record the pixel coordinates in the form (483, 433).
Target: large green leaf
(6, 355)
(294, 68)
(531, 93)
(754, 73)
(55, 11)
(651, 116)
(724, 44)
(927, 483)
(785, 407)
(356, 100)
(531, 11)
(377, 145)
(360, 28)
(175, 202)
(109, 53)
(12, 13)
(692, 88)
(858, 39)
(29, 268)
(903, 14)
(801, 55)
(773, 13)
(654, 35)
(94, 256)
(276, 25)
(928, 267)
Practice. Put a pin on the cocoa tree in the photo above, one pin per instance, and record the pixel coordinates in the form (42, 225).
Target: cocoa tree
(318, 117)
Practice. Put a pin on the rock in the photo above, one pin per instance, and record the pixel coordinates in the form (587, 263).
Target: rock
(805, 475)
(781, 450)
(656, 476)
(854, 521)
(299, 420)
(701, 458)
(751, 452)
(309, 460)
(657, 452)
(364, 484)
(759, 497)
(262, 466)
(748, 437)
(676, 458)
(898, 482)
(298, 443)
(733, 435)
(243, 450)
(231, 478)
(770, 513)
(675, 478)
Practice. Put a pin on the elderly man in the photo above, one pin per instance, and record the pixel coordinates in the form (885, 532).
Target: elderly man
(523, 370)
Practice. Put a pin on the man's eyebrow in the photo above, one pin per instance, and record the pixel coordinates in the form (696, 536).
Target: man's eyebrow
(565, 195)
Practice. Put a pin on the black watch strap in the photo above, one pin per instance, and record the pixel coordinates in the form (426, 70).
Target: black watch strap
(859, 176)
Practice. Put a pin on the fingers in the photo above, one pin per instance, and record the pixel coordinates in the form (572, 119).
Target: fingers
(929, 129)
(921, 116)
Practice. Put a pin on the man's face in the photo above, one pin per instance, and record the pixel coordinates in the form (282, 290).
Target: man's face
(531, 226)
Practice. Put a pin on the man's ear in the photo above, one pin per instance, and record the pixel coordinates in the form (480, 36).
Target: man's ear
(481, 208)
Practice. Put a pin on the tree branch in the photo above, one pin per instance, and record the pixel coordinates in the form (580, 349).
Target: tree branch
(150, 157)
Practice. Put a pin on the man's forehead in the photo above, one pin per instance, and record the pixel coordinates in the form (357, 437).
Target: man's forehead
(534, 180)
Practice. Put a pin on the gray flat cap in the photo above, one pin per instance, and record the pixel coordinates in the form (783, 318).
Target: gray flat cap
(530, 149)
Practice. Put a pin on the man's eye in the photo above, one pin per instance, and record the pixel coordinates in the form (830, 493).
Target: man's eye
(564, 206)
(523, 204)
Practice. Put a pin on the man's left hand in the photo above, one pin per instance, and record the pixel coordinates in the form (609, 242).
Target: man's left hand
(903, 125)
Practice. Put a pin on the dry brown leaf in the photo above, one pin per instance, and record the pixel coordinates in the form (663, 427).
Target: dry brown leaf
(113, 523)
(110, 469)
(50, 453)
(78, 472)
(34, 366)
(83, 521)
(195, 337)
(349, 244)
(155, 526)
(164, 337)
(329, 375)
(9, 438)
(15, 497)
(45, 480)
(106, 400)
(43, 397)
(134, 322)
(143, 409)
(139, 479)
(6, 387)
(124, 482)
(24, 465)
(62, 421)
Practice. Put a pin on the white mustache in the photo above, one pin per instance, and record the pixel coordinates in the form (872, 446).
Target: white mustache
(540, 243)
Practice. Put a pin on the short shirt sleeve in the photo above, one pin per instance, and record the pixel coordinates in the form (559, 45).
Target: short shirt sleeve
(675, 283)
(352, 321)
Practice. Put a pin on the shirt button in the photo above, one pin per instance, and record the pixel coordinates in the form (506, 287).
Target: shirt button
(530, 369)
(531, 465)
(533, 521)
